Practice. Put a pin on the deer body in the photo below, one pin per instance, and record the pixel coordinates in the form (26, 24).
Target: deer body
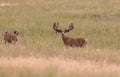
(10, 37)
(70, 41)
(74, 42)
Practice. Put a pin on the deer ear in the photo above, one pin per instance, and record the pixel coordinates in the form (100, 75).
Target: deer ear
(17, 33)
(59, 31)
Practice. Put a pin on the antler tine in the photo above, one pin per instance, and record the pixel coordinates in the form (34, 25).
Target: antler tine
(71, 26)
(55, 27)
(56, 23)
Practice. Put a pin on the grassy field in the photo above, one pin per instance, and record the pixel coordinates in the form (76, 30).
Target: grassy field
(96, 20)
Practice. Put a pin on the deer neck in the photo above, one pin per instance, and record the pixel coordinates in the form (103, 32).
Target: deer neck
(63, 38)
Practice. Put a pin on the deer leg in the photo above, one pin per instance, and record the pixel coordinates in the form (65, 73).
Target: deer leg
(84, 44)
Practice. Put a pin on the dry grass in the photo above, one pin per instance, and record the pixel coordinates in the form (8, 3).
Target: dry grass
(4, 4)
(61, 65)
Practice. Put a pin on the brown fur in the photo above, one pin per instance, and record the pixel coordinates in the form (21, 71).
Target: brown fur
(10, 37)
(74, 42)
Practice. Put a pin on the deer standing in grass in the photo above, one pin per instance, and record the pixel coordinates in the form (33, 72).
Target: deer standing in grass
(10, 37)
(70, 41)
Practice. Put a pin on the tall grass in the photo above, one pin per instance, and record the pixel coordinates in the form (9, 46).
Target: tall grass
(55, 67)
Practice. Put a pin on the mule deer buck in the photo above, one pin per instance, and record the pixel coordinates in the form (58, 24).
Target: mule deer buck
(70, 41)
(10, 37)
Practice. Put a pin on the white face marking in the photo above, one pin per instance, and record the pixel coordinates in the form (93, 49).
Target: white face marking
(63, 33)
